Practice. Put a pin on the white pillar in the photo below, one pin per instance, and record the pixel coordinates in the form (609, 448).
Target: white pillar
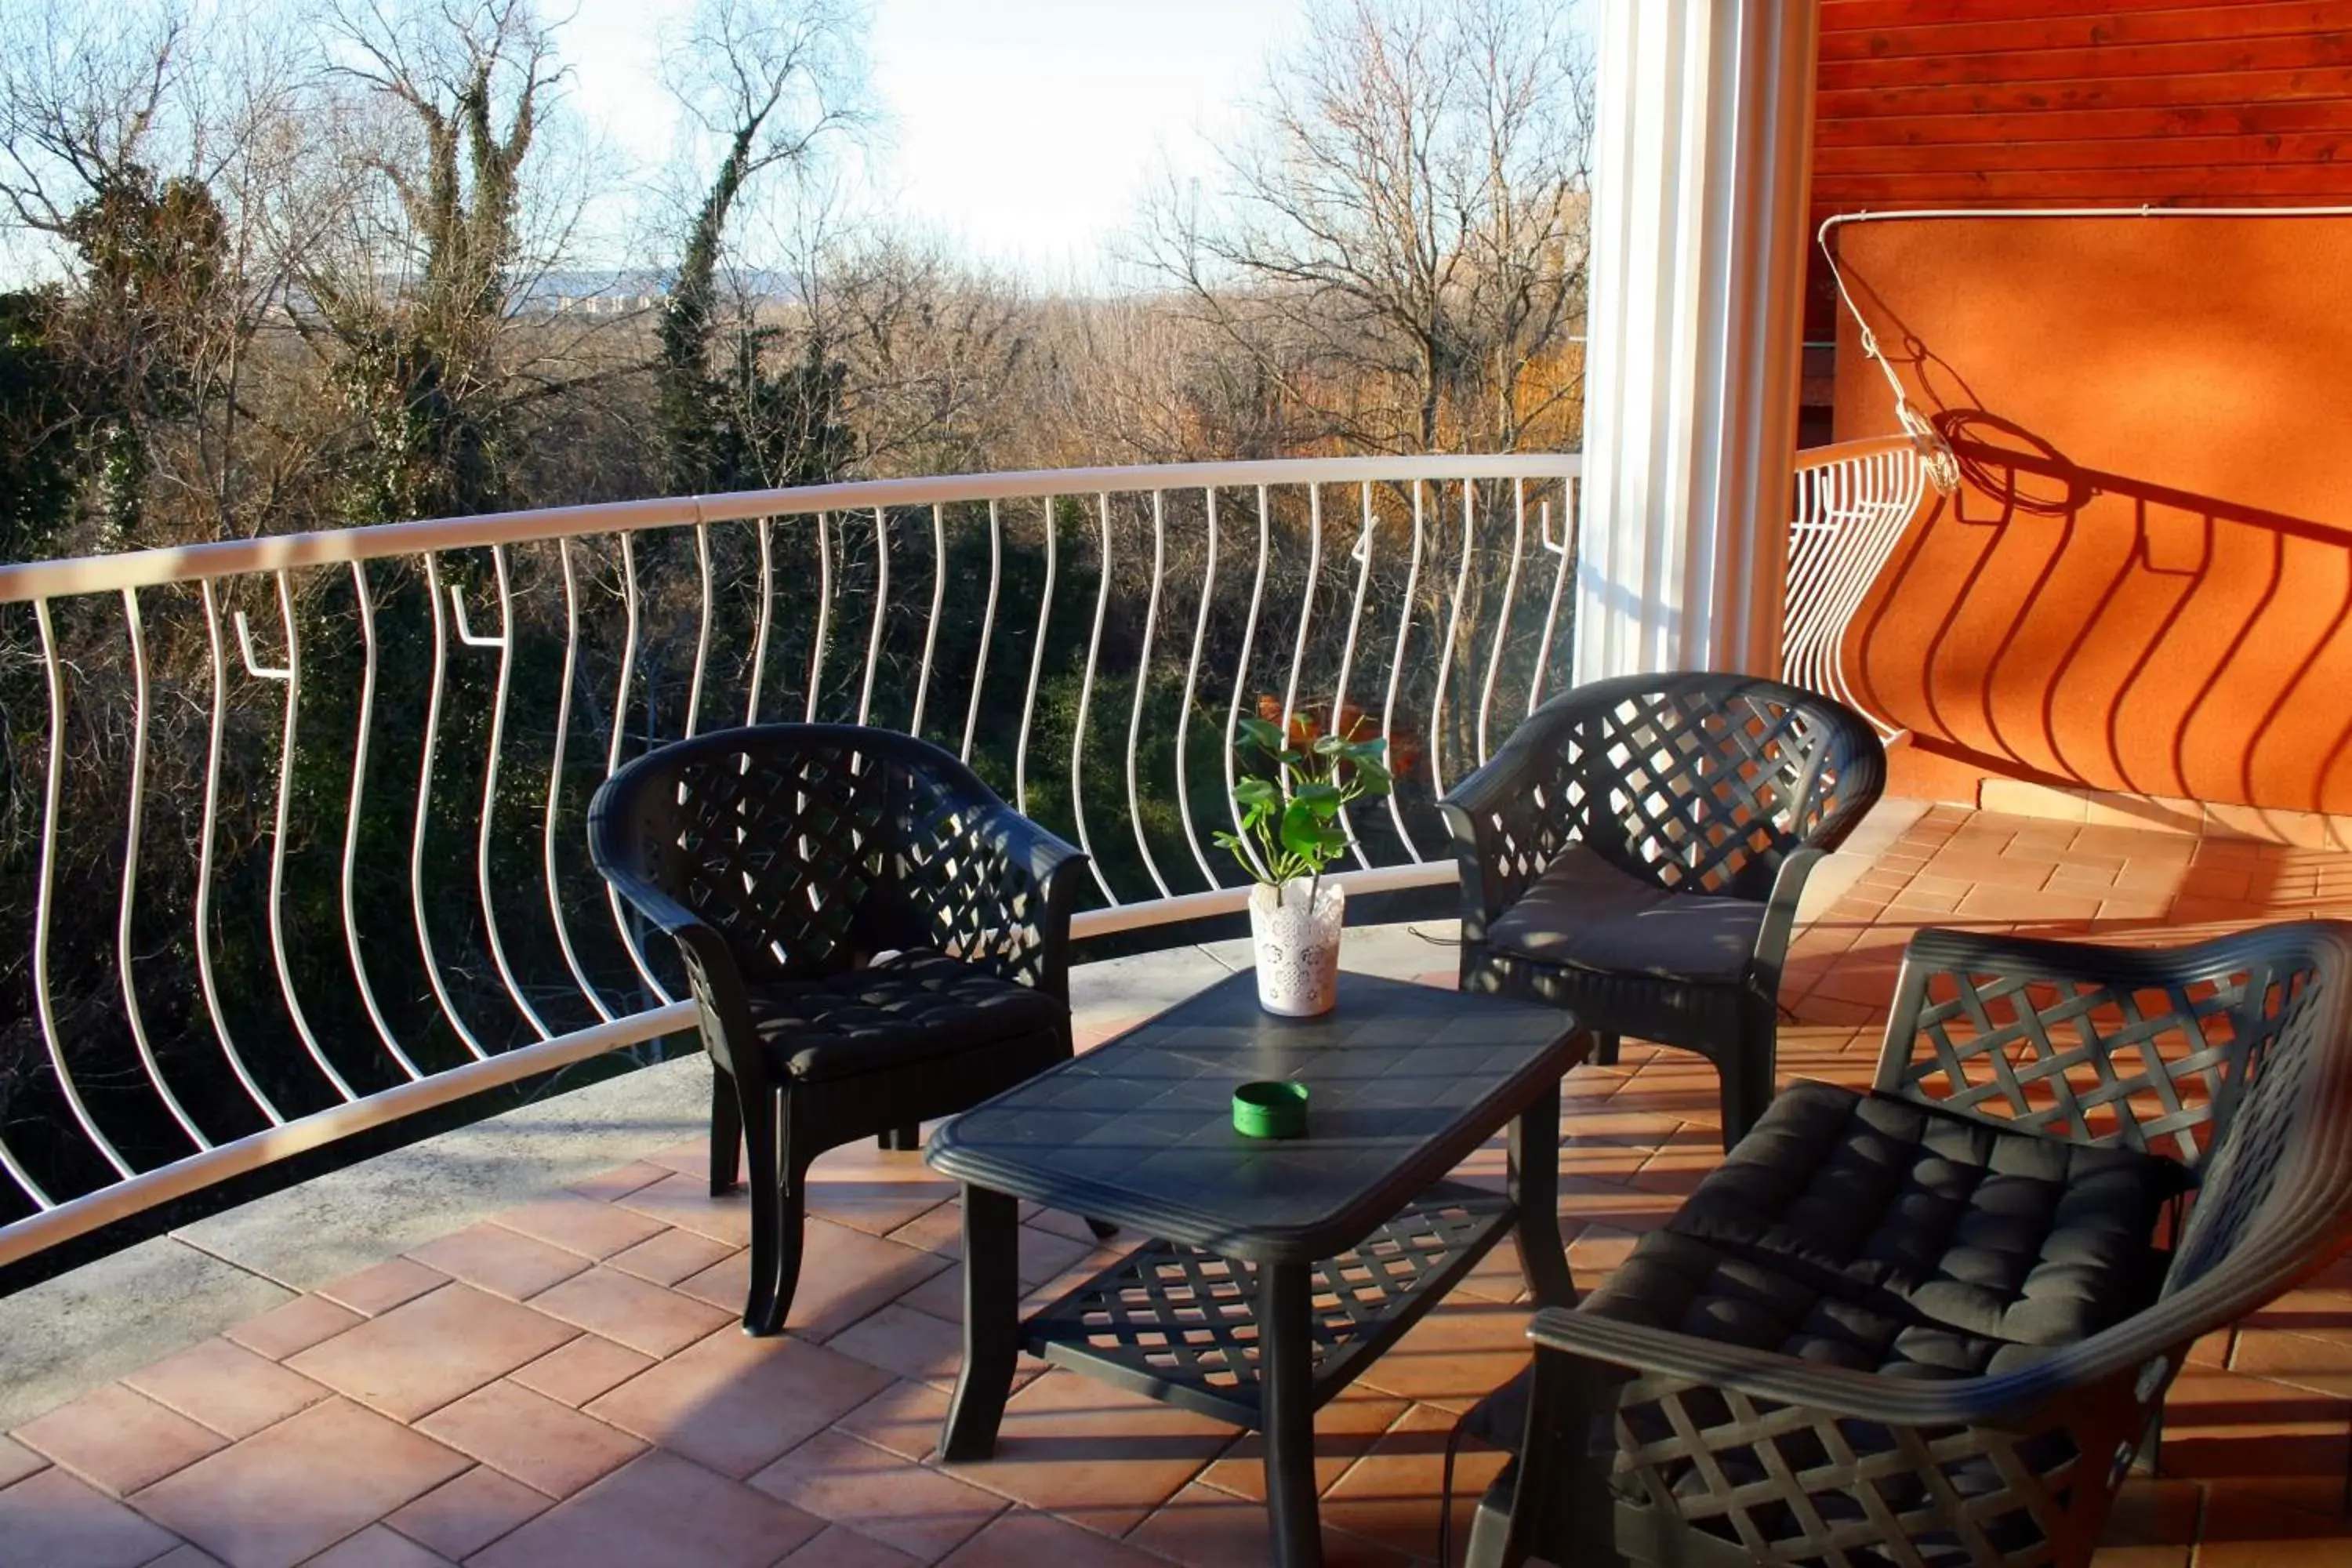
(1701, 174)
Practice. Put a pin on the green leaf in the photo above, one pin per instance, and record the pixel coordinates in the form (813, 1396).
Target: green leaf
(1323, 799)
(1255, 791)
(1263, 734)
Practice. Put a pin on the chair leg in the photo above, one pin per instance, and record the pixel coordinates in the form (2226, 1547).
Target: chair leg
(1749, 1074)
(2149, 1460)
(1104, 1230)
(899, 1139)
(779, 1207)
(1604, 1051)
(726, 1131)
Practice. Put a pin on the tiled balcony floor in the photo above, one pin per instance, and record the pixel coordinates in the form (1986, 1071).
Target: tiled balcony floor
(565, 1385)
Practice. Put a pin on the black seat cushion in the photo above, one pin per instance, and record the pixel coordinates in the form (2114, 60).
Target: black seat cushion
(1939, 1217)
(1687, 1285)
(1587, 913)
(909, 1006)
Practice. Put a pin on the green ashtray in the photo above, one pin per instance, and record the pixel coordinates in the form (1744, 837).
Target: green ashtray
(1273, 1110)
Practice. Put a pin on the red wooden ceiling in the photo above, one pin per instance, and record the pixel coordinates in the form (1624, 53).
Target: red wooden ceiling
(2083, 102)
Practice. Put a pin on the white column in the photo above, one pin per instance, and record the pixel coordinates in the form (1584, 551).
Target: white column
(1701, 174)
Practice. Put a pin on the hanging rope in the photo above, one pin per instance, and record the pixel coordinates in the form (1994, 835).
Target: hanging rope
(1942, 466)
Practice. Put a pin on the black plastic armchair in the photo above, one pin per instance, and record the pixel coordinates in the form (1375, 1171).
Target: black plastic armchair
(1836, 1353)
(1634, 853)
(873, 938)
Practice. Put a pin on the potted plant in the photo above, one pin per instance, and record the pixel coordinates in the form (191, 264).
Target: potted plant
(1290, 831)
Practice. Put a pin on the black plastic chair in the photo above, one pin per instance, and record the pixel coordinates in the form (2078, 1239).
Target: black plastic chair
(874, 940)
(1635, 851)
(1822, 1358)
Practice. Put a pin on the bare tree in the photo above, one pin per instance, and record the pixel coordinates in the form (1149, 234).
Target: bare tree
(768, 83)
(927, 347)
(1400, 245)
(418, 320)
(158, 175)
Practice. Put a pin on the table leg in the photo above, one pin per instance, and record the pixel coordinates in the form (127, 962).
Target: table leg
(1285, 1304)
(992, 1323)
(1535, 1193)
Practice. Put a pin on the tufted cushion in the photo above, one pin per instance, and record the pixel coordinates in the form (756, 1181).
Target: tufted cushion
(907, 1007)
(1585, 912)
(1679, 1283)
(1938, 1217)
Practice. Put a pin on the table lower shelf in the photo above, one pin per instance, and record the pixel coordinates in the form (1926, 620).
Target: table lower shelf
(1179, 1324)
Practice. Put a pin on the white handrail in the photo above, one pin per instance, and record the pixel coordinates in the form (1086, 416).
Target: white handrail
(232, 557)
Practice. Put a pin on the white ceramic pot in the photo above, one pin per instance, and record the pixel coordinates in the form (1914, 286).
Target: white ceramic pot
(1297, 947)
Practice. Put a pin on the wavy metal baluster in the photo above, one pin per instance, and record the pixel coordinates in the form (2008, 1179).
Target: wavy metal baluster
(1362, 556)
(987, 624)
(1143, 684)
(1184, 712)
(702, 630)
(622, 922)
(1896, 481)
(1036, 668)
(1453, 634)
(1503, 621)
(424, 808)
(824, 614)
(881, 605)
(1241, 668)
(352, 811)
(123, 946)
(1558, 584)
(555, 778)
(1086, 696)
(503, 641)
(1396, 670)
(52, 786)
(262, 1102)
(932, 629)
(1306, 608)
(759, 631)
(1849, 514)
(289, 676)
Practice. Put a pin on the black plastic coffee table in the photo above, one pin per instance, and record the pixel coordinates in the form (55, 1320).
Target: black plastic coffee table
(1278, 1270)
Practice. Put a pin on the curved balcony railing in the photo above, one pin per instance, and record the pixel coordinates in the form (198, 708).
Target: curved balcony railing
(1852, 503)
(296, 846)
(293, 844)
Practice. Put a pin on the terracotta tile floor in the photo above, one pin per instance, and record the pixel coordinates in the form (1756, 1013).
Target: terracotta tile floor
(566, 1386)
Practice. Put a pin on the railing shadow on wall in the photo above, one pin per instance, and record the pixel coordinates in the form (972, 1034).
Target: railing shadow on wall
(2084, 628)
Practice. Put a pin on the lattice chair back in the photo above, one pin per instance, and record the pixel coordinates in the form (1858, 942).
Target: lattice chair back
(1702, 783)
(813, 848)
(2230, 1057)
(2280, 1149)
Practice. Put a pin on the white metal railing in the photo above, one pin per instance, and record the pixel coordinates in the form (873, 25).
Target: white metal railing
(1853, 502)
(296, 840)
(296, 845)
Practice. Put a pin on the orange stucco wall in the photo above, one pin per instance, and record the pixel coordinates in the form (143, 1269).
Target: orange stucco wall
(2155, 594)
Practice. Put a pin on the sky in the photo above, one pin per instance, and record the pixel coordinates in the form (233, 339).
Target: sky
(1024, 131)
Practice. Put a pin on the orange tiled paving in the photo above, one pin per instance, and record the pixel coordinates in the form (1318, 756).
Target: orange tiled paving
(565, 1386)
